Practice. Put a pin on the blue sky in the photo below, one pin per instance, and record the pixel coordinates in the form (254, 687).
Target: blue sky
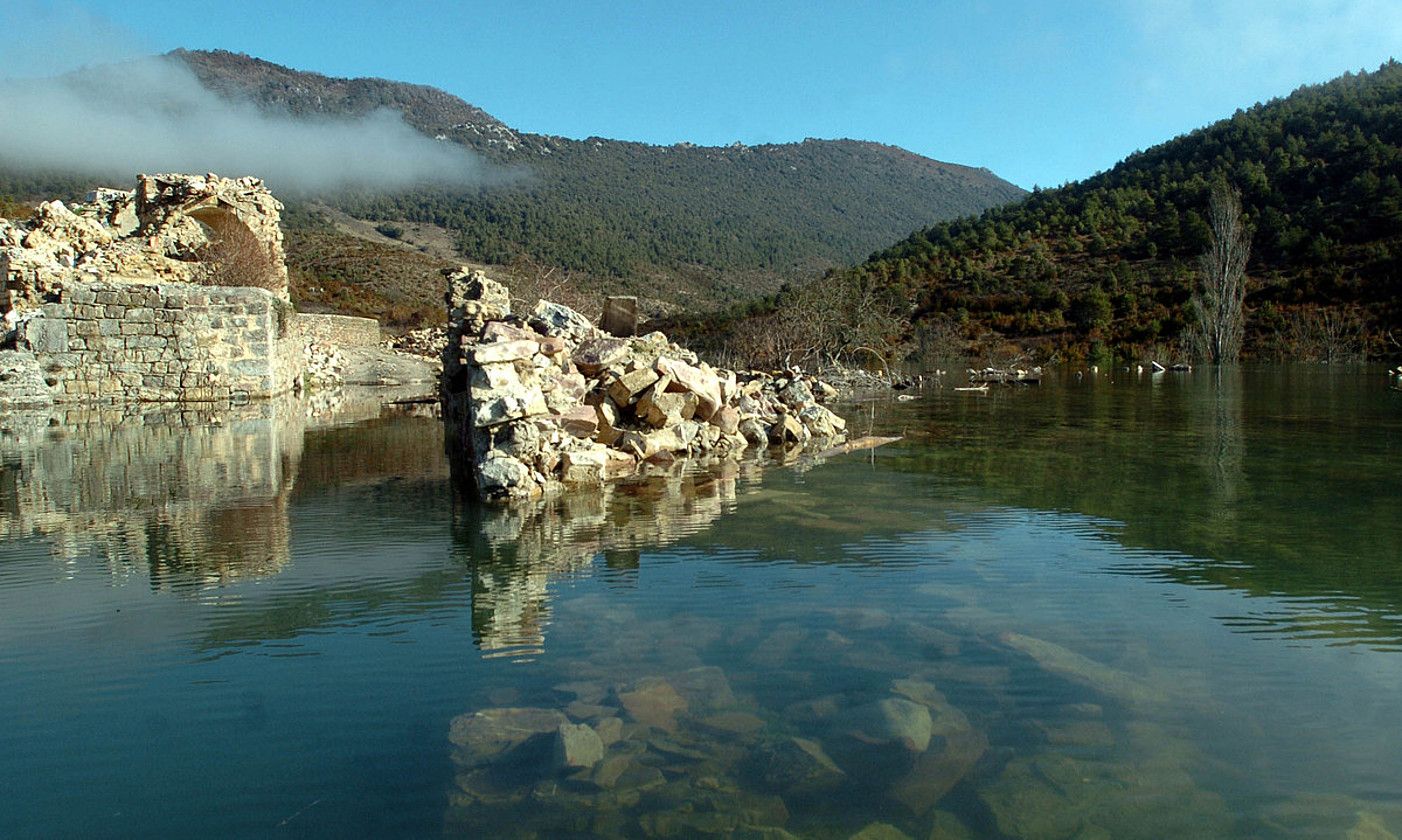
(1039, 92)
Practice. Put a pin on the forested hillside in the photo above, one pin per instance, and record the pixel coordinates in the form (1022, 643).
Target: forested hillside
(1109, 262)
(1319, 176)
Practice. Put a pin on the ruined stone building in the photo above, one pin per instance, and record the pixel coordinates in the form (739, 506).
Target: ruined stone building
(176, 291)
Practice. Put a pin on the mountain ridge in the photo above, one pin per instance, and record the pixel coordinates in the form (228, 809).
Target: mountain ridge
(625, 209)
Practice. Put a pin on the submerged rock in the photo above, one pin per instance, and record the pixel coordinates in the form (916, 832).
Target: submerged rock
(577, 745)
(1334, 815)
(880, 831)
(610, 730)
(795, 766)
(939, 769)
(946, 826)
(1073, 666)
(1052, 795)
(719, 813)
(892, 720)
(705, 689)
(955, 747)
(732, 723)
(492, 734)
(654, 702)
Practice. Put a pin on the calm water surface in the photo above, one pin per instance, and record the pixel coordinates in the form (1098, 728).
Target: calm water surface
(1132, 607)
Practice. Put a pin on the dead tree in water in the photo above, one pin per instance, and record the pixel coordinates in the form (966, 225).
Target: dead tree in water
(1219, 305)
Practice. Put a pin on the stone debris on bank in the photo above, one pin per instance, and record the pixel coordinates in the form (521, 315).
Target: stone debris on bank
(537, 403)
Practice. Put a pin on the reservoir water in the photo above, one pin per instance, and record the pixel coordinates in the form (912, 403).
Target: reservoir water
(1126, 606)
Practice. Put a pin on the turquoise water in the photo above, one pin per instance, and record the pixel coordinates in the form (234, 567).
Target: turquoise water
(1128, 607)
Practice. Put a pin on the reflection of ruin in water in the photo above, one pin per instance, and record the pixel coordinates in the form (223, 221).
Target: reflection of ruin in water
(193, 497)
(516, 552)
(188, 496)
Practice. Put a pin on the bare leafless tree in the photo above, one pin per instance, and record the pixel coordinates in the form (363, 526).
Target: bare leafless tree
(1322, 334)
(1218, 308)
(236, 257)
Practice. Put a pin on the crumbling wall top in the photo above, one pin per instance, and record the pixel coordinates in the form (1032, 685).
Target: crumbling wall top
(171, 228)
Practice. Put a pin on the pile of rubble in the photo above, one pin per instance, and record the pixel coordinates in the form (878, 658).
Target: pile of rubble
(326, 364)
(536, 403)
(426, 342)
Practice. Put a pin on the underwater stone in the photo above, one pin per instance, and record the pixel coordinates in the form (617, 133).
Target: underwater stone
(796, 766)
(946, 826)
(486, 736)
(610, 730)
(654, 702)
(732, 723)
(588, 711)
(1054, 795)
(586, 692)
(893, 720)
(937, 770)
(880, 831)
(577, 745)
(1066, 663)
(704, 689)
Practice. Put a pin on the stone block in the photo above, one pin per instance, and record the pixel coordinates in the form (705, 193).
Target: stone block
(620, 316)
(582, 421)
(702, 383)
(596, 354)
(496, 331)
(788, 430)
(501, 475)
(619, 463)
(727, 418)
(500, 408)
(549, 318)
(626, 389)
(45, 335)
(583, 466)
(503, 351)
(660, 408)
(553, 345)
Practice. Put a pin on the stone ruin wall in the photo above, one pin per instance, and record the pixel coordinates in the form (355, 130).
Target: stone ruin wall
(338, 330)
(114, 341)
(176, 291)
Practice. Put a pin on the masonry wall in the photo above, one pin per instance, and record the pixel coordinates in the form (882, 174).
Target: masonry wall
(339, 330)
(167, 342)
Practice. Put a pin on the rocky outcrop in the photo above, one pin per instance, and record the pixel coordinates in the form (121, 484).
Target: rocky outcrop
(533, 404)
